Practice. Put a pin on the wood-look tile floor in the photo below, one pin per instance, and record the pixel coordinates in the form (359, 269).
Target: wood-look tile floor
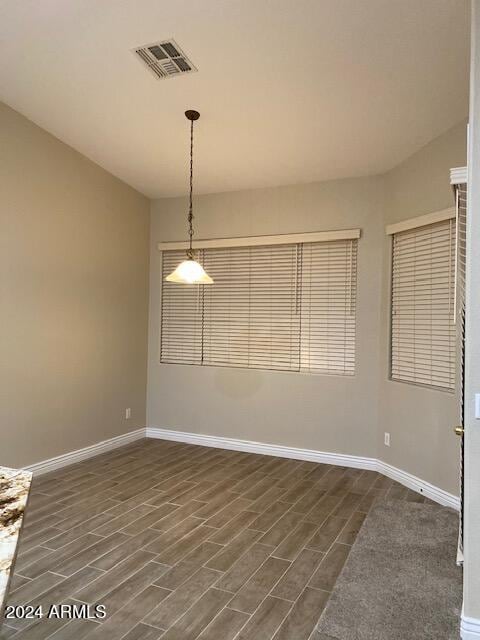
(182, 542)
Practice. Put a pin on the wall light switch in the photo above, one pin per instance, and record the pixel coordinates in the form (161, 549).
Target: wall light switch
(128, 413)
(477, 406)
(387, 439)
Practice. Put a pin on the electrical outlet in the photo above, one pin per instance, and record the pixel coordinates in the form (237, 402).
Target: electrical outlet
(128, 413)
(387, 439)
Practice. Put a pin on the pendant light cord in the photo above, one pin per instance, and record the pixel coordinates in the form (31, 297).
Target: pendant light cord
(190, 208)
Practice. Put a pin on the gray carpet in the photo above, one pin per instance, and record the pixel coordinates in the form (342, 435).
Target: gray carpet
(400, 581)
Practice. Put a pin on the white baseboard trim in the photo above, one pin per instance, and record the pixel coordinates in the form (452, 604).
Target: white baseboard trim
(421, 486)
(87, 452)
(263, 448)
(407, 479)
(469, 628)
(323, 457)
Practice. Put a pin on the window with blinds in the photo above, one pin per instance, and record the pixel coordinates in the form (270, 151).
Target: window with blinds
(251, 314)
(182, 310)
(329, 285)
(288, 307)
(423, 308)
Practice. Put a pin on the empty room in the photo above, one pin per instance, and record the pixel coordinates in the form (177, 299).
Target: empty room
(240, 346)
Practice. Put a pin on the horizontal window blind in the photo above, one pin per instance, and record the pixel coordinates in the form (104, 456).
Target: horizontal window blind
(423, 290)
(329, 278)
(287, 307)
(252, 315)
(181, 323)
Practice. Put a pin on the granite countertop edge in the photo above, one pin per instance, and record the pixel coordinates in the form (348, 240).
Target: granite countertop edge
(14, 490)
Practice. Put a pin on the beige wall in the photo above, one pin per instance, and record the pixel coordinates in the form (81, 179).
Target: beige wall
(472, 361)
(327, 413)
(336, 414)
(420, 420)
(73, 298)
(422, 182)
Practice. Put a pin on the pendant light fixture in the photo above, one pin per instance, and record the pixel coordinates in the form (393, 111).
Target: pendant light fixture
(190, 271)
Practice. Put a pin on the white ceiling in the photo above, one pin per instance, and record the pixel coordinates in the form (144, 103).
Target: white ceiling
(290, 91)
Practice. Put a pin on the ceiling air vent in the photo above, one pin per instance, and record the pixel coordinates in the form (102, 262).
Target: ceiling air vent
(164, 59)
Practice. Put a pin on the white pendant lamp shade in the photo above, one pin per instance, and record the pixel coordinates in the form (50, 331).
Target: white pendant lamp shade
(190, 271)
